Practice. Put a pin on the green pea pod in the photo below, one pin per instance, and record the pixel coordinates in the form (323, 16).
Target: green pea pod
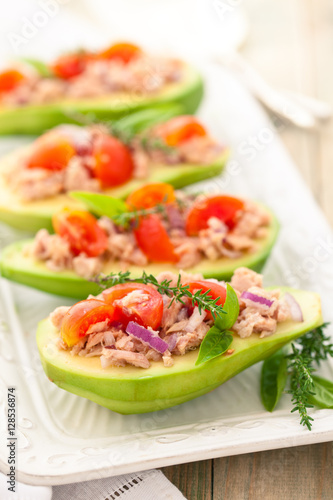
(273, 379)
(231, 307)
(323, 390)
(41, 68)
(100, 204)
(214, 344)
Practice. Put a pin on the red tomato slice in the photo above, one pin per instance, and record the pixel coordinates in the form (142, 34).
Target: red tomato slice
(10, 79)
(81, 231)
(224, 208)
(51, 154)
(70, 65)
(151, 195)
(147, 313)
(216, 291)
(113, 162)
(154, 241)
(180, 129)
(81, 316)
(125, 52)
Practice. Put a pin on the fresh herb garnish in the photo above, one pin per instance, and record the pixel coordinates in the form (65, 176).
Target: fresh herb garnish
(101, 204)
(218, 338)
(177, 293)
(117, 210)
(273, 379)
(215, 343)
(301, 383)
(132, 218)
(42, 69)
(306, 389)
(132, 128)
(323, 393)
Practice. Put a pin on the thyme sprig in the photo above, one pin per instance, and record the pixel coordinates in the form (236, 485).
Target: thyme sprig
(177, 293)
(125, 135)
(132, 218)
(313, 347)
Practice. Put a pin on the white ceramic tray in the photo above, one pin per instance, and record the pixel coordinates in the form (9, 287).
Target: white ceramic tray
(63, 438)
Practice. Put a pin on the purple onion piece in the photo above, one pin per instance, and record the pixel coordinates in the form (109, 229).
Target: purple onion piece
(172, 341)
(295, 308)
(256, 298)
(147, 336)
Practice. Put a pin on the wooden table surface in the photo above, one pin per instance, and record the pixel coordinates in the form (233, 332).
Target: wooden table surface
(291, 44)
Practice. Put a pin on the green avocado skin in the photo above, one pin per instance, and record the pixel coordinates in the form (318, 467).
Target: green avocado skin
(17, 266)
(34, 119)
(131, 390)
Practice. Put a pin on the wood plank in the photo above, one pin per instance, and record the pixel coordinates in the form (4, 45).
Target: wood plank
(194, 480)
(304, 472)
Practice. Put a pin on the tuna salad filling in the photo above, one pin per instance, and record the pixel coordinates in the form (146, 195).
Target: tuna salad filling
(70, 157)
(123, 336)
(183, 232)
(123, 68)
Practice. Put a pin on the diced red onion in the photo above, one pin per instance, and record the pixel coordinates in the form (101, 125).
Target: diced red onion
(176, 219)
(147, 336)
(257, 298)
(172, 341)
(295, 308)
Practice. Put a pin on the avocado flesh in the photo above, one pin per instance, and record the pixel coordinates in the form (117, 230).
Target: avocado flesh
(130, 390)
(35, 215)
(36, 118)
(17, 266)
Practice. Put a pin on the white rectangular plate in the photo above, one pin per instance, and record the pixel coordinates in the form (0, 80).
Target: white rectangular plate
(64, 438)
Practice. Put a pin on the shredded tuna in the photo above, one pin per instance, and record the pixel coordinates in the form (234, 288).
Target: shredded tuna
(57, 315)
(113, 357)
(86, 267)
(244, 278)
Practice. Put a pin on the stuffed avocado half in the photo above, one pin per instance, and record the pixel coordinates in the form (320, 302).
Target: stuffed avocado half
(211, 235)
(107, 83)
(158, 383)
(158, 145)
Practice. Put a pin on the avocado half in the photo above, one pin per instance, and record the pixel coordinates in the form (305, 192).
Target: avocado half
(34, 119)
(134, 390)
(17, 266)
(35, 215)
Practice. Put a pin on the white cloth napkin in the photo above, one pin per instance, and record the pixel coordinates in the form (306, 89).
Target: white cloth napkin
(148, 485)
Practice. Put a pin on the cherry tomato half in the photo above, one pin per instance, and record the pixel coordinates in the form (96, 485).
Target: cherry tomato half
(51, 154)
(81, 231)
(224, 208)
(180, 129)
(216, 291)
(151, 195)
(69, 65)
(81, 316)
(146, 313)
(154, 241)
(10, 79)
(113, 162)
(125, 52)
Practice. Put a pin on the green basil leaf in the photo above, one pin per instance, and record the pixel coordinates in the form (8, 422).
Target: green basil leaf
(214, 344)
(147, 118)
(41, 68)
(274, 375)
(323, 390)
(100, 204)
(231, 307)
